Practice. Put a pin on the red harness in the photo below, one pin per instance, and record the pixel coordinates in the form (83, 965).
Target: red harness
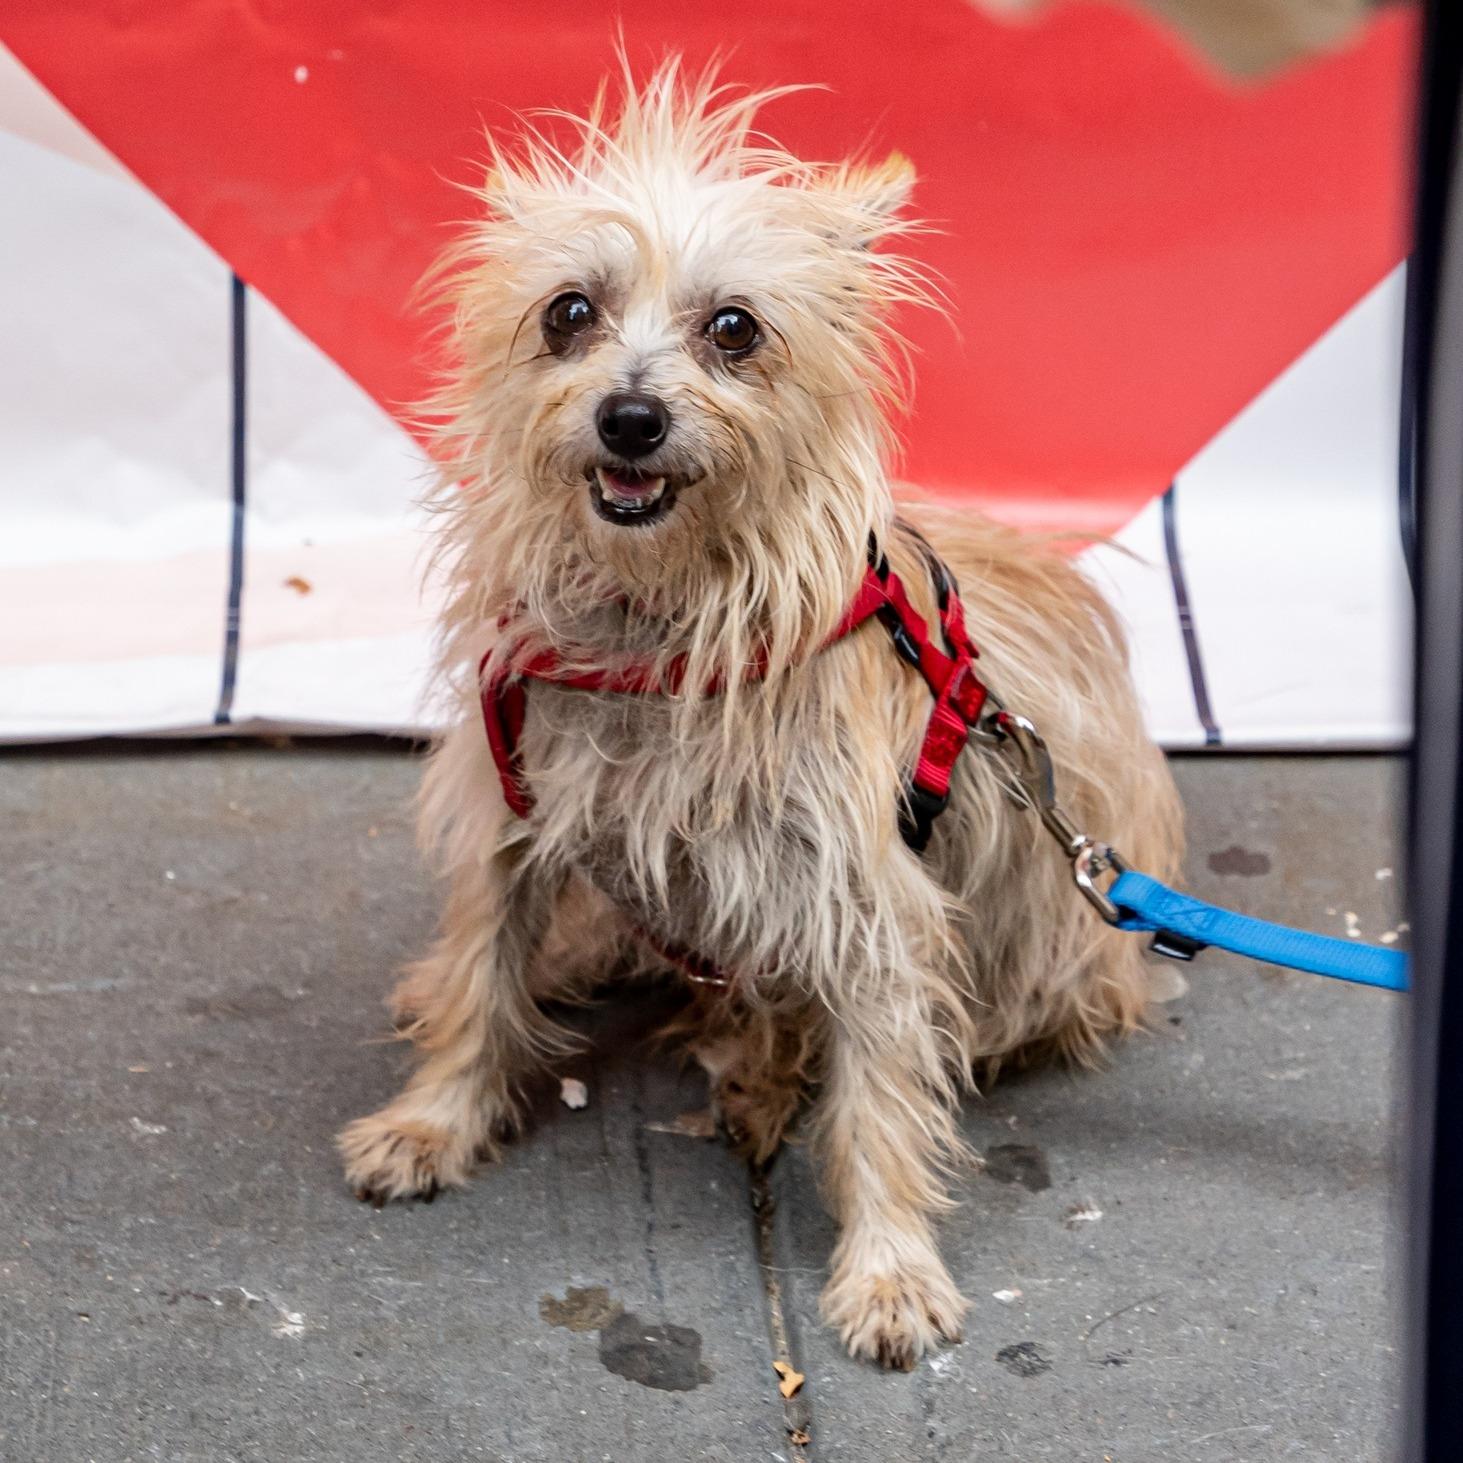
(949, 672)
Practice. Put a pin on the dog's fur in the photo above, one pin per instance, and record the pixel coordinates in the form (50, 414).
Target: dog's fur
(756, 826)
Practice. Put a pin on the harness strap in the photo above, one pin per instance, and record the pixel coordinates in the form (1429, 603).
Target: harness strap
(949, 673)
(696, 968)
(505, 704)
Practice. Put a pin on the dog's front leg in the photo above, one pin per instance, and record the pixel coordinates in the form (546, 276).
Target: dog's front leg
(885, 1129)
(477, 1030)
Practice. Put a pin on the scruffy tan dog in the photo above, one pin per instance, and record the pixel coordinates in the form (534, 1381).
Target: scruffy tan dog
(666, 447)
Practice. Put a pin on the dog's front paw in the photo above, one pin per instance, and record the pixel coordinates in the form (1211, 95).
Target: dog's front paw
(389, 1157)
(894, 1315)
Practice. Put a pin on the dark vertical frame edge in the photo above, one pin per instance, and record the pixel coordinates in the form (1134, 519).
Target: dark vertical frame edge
(1432, 502)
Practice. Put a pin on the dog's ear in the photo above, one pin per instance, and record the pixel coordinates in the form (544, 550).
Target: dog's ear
(869, 197)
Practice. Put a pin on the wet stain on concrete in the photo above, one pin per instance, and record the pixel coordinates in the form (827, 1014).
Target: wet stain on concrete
(583, 1308)
(1025, 1359)
(667, 1358)
(1018, 1163)
(1247, 863)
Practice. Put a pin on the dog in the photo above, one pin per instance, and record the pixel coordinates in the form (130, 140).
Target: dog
(663, 443)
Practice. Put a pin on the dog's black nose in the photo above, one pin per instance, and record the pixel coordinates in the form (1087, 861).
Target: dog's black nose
(632, 425)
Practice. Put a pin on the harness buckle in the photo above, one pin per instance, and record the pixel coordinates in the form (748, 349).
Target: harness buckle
(918, 810)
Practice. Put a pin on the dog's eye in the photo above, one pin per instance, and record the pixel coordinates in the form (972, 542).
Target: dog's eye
(567, 315)
(732, 331)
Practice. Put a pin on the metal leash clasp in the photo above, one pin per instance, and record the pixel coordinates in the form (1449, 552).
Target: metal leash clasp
(1091, 859)
(1032, 762)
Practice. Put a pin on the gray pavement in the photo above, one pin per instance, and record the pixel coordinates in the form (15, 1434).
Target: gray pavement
(1187, 1256)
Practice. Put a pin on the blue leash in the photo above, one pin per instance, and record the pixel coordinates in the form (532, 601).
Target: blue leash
(1181, 925)
(1145, 904)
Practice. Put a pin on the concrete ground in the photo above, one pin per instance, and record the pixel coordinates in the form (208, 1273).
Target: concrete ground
(1188, 1256)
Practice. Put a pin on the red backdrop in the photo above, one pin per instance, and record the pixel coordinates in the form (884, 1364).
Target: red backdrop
(1134, 245)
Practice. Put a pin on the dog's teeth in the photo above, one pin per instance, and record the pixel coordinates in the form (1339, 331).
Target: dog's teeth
(608, 492)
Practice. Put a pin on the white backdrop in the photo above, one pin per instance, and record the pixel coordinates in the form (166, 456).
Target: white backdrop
(129, 347)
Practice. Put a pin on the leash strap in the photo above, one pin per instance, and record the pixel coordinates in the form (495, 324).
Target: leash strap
(1181, 925)
(1145, 904)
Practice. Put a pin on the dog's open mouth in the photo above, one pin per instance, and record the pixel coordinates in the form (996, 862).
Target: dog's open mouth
(625, 496)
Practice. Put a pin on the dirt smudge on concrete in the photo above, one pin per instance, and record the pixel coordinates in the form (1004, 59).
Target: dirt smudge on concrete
(1018, 1163)
(583, 1308)
(1244, 862)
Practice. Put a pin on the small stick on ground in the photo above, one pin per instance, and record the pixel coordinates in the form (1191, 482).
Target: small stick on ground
(797, 1415)
(1086, 1336)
